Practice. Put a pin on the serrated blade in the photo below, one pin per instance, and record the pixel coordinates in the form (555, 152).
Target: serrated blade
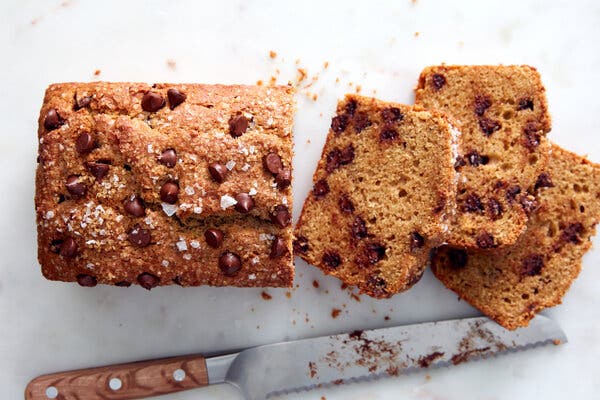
(276, 369)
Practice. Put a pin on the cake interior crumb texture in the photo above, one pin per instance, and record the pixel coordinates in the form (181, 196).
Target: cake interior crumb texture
(382, 192)
(169, 183)
(511, 285)
(503, 117)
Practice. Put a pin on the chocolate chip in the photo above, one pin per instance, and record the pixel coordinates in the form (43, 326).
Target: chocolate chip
(377, 286)
(245, 202)
(134, 205)
(525, 103)
(68, 248)
(529, 204)
(512, 192)
(488, 126)
(86, 280)
(473, 203)
(169, 192)
(214, 237)
(75, 187)
(127, 167)
(272, 163)
(230, 263)
(332, 160)
(331, 259)
(152, 102)
(52, 120)
(372, 253)
(218, 172)
(81, 102)
(138, 236)
(238, 124)
(441, 203)
(283, 179)
(460, 162)
(391, 114)
(438, 81)
(168, 158)
(388, 135)
(147, 280)
(278, 247)
(175, 98)
(482, 103)
(531, 136)
(351, 107)
(476, 159)
(339, 123)
(416, 241)
(532, 265)
(457, 258)
(361, 121)
(544, 181)
(320, 189)
(485, 240)
(359, 228)
(345, 204)
(85, 143)
(98, 169)
(177, 280)
(123, 284)
(55, 245)
(571, 233)
(281, 216)
(347, 154)
(494, 209)
(300, 245)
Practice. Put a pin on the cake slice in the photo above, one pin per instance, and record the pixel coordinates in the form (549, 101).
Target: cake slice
(502, 114)
(512, 284)
(382, 193)
(162, 184)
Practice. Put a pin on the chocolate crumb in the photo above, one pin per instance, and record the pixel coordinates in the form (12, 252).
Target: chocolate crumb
(320, 189)
(485, 240)
(425, 361)
(438, 81)
(265, 296)
(482, 103)
(489, 126)
(335, 313)
(544, 181)
(331, 259)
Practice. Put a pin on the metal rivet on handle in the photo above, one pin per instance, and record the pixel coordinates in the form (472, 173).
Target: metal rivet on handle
(179, 375)
(115, 384)
(51, 392)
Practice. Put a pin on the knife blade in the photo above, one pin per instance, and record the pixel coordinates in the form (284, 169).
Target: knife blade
(271, 370)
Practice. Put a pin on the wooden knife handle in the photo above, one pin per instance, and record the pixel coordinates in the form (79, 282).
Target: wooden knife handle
(123, 381)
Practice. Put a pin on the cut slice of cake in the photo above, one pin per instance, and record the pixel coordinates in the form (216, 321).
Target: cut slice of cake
(382, 193)
(511, 285)
(503, 117)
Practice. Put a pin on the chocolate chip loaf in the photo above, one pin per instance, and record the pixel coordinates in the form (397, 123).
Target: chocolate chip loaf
(382, 193)
(502, 114)
(512, 284)
(162, 184)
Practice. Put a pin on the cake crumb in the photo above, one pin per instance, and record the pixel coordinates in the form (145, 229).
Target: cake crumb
(323, 398)
(315, 284)
(355, 297)
(337, 80)
(358, 88)
(266, 296)
(335, 313)
(97, 72)
(326, 64)
(556, 342)
(297, 62)
(315, 97)
(171, 64)
(386, 318)
(259, 82)
(417, 34)
(343, 286)
(301, 74)
(272, 54)
(288, 294)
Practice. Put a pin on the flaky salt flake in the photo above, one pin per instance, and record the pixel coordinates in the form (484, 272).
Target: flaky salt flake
(252, 277)
(246, 167)
(284, 201)
(189, 190)
(165, 263)
(230, 164)
(252, 149)
(266, 236)
(187, 256)
(150, 149)
(197, 210)
(181, 245)
(89, 266)
(252, 191)
(169, 209)
(119, 218)
(195, 244)
(49, 214)
(227, 201)
(255, 260)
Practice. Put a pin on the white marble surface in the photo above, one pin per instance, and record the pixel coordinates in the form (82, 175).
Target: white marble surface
(49, 326)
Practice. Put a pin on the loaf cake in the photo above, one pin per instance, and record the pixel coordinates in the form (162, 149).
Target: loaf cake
(512, 284)
(382, 194)
(502, 114)
(162, 184)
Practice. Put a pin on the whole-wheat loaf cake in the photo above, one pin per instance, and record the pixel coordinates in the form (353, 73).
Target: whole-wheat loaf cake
(382, 192)
(503, 117)
(170, 183)
(512, 284)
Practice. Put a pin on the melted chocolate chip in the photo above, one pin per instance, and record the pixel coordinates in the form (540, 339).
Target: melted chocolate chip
(98, 169)
(278, 247)
(482, 103)
(571, 233)
(331, 259)
(476, 159)
(68, 248)
(147, 280)
(438, 81)
(473, 203)
(168, 158)
(272, 163)
(214, 237)
(351, 107)
(300, 244)
(175, 97)
(169, 192)
(416, 241)
(485, 240)
(75, 187)
(347, 154)
(372, 254)
(345, 204)
(544, 181)
(489, 126)
(134, 205)
(332, 160)
(138, 236)
(229, 263)
(532, 265)
(245, 203)
(525, 103)
(391, 114)
(377, 286)
(178, 280)
(441, 203)
(152, 102)
(86, 280)
(531, 136)
(388, 135)
(85, 143)
(457, 258)
(281, 216)
(283, 179)
(494, 209)
(339, 123)
(529, 204)
(218, 172)
(361, 121)
(123, 284)
(512, 192)
(55, 246)
(52, 120)
(460, 162)
(320, 189)
(81, 102)
(238, 125)
(359, 228)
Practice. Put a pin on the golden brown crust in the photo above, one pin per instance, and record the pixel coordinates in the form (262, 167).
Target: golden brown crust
(512, 284)
(130, 142)
(503, 116)
(380, 195)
